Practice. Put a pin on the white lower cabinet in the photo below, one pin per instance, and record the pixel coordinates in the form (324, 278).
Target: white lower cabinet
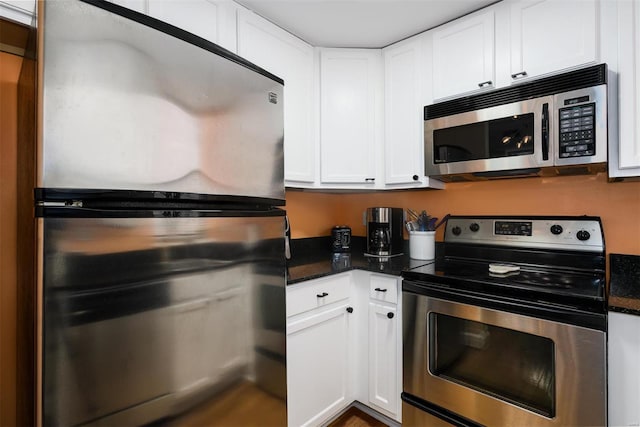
(383, 361)
(343, 345)
(317, 366)
(624, 369)
(385, 344)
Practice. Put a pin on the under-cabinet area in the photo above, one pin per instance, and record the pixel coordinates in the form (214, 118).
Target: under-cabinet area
(344, 344)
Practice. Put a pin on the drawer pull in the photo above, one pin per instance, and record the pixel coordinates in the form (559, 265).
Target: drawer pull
(486, 84)
(322, 295)
(349, 309)
(390, 315)
(519, 75)
(380, 290)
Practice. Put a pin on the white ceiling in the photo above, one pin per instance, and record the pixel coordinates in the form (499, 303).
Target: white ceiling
(360, 23)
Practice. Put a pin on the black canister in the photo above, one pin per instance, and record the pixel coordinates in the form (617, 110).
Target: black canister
(341, 238)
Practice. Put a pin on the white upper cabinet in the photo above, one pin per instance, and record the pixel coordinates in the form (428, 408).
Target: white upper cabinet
(624, 158)
(551, 35)
(350, 115)
(21, 11)
(404, 100)
(291, 59)
(211, 20)
(464, 55)
(137, 5)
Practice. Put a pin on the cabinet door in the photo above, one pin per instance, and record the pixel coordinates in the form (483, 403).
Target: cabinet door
(350, 99)
(22, 11)
(317, 366)
(463, 55)
(624, 371)
(291, 59)
(230, 307)
(192, 321)
(624, 158)
(383, 368)
(211, 20)
(137, 5)
(403, 88)
(550, 35)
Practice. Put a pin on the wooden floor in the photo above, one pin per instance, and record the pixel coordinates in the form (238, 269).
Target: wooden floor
(356, 418)
(259, 409)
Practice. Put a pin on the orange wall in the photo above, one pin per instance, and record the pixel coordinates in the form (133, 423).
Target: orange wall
(618, 204)
(9, 73)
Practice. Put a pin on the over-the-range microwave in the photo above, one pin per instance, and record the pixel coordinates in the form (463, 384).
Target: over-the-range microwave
(554, 125)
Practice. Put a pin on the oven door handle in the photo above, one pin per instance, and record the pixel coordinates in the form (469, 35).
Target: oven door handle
(437, 411)
(552, 312)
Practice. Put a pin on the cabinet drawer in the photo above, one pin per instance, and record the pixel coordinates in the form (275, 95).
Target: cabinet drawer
(384, 289)
(317, 293)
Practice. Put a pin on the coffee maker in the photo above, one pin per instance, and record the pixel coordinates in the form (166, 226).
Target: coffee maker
(384, 231)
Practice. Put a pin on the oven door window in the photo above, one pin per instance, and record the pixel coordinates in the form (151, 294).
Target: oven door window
(504, 137)
(507, 364)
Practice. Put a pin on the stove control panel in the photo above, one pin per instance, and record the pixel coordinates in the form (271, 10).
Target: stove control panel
(581, 233)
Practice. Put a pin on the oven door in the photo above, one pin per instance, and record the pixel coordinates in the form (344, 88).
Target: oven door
(506, 137)
(499, 368)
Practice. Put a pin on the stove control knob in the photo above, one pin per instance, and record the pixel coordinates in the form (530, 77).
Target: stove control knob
(456, 230)
(583, 235)
(474, 227)
(556, 229)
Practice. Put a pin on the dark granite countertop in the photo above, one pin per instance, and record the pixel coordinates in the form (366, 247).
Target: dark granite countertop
(312, 258)
(624, 283)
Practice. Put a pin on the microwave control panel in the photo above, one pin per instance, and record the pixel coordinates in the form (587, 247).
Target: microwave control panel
(577, 131)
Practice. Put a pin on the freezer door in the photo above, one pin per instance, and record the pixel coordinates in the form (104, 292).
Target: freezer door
(173, 319)
(129, 107)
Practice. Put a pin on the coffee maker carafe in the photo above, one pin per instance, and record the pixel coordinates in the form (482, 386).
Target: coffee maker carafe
(384, 231)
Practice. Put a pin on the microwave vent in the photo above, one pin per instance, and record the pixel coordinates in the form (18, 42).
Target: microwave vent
(586, 77)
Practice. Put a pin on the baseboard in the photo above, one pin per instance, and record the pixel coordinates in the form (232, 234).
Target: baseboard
(367, 410)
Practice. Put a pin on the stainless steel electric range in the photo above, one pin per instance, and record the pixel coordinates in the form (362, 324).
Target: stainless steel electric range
(508, 326)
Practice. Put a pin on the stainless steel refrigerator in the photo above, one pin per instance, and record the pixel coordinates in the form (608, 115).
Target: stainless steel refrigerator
(161, 245)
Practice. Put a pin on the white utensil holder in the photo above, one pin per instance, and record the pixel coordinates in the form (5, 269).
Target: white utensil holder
(422, 245)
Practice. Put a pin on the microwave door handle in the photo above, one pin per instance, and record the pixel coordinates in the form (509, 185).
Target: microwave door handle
(545, 131)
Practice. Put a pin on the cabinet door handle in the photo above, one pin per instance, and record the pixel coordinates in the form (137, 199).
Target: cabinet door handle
(518, 75)
(545, 131)
(369, 180)
(322, 295)
(390, 315)
(380, 290)
(416, 178)
(349, 309)
(485, 84)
